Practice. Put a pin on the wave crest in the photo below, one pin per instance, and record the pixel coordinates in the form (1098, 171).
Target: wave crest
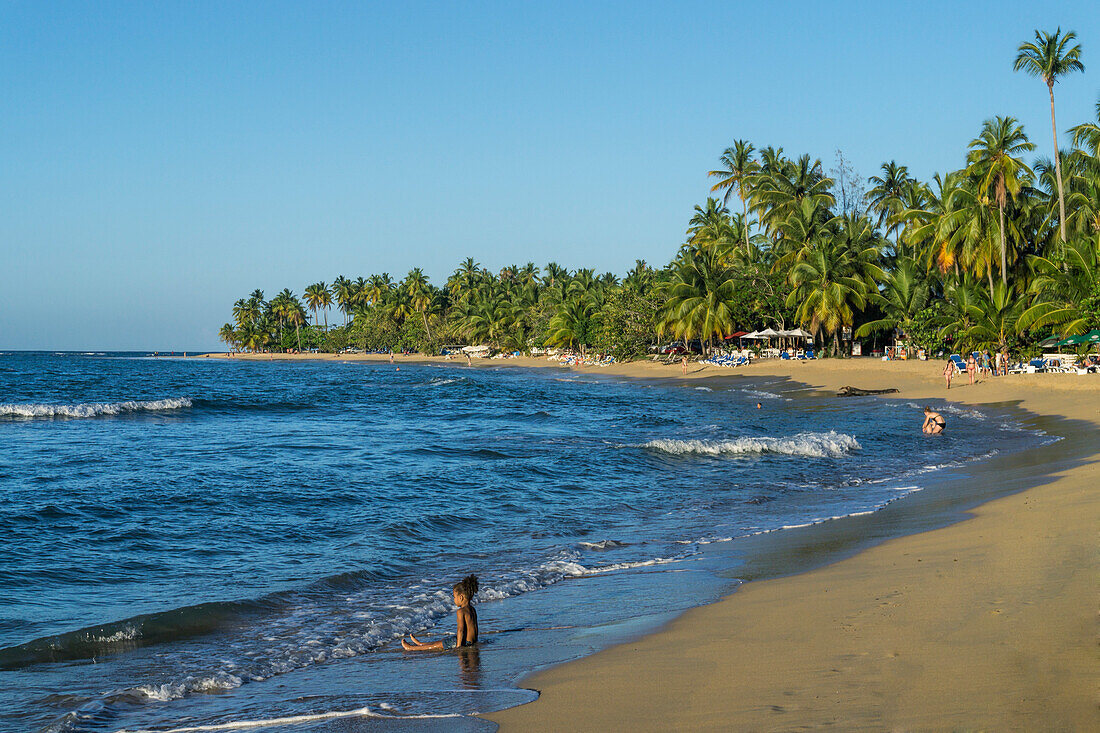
(31, 410)
(811, 445)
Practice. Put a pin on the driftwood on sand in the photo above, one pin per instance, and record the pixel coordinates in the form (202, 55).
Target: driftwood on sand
(857, 392)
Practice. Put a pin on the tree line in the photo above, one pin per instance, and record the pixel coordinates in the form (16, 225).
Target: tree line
(998, 254)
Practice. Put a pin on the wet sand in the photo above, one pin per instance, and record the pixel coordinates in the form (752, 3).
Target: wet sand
(989, 623)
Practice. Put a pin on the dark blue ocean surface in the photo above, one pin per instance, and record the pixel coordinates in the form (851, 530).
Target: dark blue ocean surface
(190, 543)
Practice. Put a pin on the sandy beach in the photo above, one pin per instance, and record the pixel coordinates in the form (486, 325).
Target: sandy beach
(989, 623)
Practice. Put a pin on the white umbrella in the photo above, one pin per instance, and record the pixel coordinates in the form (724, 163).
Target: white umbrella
(799, 333)
(767, 333)
(751, 335)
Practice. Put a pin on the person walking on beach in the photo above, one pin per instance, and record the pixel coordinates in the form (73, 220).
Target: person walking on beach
(463, 594)
(948, 372)
(469, 361)
(971, 367)
(933, 422)
(684, 365)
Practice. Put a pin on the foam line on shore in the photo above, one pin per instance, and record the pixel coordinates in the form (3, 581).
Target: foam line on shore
(292, 720)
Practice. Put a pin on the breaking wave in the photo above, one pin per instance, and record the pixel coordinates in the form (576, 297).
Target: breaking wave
(811, 445)
(32, 410)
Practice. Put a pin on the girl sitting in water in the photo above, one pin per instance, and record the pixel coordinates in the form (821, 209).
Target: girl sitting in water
(933, 422)
(466, 617)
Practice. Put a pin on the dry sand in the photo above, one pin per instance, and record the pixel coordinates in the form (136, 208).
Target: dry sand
(988, 624)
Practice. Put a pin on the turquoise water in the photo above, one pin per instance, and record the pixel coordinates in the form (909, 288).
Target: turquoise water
(205, 541)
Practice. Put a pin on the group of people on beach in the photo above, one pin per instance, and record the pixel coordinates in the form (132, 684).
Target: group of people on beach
(985, 364)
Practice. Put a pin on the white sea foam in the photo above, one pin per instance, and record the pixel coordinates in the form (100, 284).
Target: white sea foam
(704, 389)
(811, 445)
(762, 394)
(601, 545)
(30, 410)
(174, 691)
(293, 720)
(632, 565)
(128, 633)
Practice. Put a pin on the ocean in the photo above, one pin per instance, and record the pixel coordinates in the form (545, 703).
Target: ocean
(192, 544)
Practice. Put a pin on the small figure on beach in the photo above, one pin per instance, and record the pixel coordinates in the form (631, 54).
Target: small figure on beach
(972, 368)
(948, 372)
(463, 594)
(391, 356)
(469, 361)
(684, 365)
(933, 422)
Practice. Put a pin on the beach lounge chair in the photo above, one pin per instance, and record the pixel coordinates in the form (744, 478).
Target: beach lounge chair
(960, 365)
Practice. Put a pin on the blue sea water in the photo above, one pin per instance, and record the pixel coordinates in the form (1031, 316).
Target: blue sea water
(201, 542)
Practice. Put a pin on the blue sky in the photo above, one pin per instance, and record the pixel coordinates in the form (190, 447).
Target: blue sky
(160, 160)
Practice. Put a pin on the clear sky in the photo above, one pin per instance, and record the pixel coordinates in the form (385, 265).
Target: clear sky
(160, 160)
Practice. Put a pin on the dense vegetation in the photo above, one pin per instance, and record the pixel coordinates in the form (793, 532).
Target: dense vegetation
(998, 254)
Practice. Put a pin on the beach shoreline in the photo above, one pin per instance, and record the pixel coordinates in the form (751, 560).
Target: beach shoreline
(985, 623)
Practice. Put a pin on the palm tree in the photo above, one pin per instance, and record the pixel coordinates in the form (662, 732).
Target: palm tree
(316, 296)
(833, 274)
(1000, 174)
(738, 168)
(1048, 58)
(985, 321)
(1061, 289)
(228, 335)
(571, 325)
(419, 290)
(710, 226)
(902, 297)
(776, 193)
(887, 192)
(344, 291)
(699, 297)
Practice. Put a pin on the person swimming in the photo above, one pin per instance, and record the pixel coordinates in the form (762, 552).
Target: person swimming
(933, 422)
(463, 594)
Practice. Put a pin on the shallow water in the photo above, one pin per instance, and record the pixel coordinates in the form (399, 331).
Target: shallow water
(198, 542)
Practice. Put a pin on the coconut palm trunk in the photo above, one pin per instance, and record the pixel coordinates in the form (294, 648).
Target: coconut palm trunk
(424, 314)
(745, 218)
(1004, 248)
(1057, 166)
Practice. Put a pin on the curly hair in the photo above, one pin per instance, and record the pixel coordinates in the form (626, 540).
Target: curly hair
(467, 586)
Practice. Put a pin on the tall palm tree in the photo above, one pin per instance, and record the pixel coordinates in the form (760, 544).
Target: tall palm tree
(344, 292)
(738, 167)
(316, 295)
(887, 192)
(1048, 58)
(419, 290)
(1000, 174)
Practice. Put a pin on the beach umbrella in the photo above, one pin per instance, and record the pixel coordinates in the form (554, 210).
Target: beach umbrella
(767, 333)
(1073, 341)
(799, 333)
(752, 335)
(1047, 343)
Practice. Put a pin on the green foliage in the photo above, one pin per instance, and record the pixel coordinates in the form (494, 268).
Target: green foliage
(626, 324)
(977, 257)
